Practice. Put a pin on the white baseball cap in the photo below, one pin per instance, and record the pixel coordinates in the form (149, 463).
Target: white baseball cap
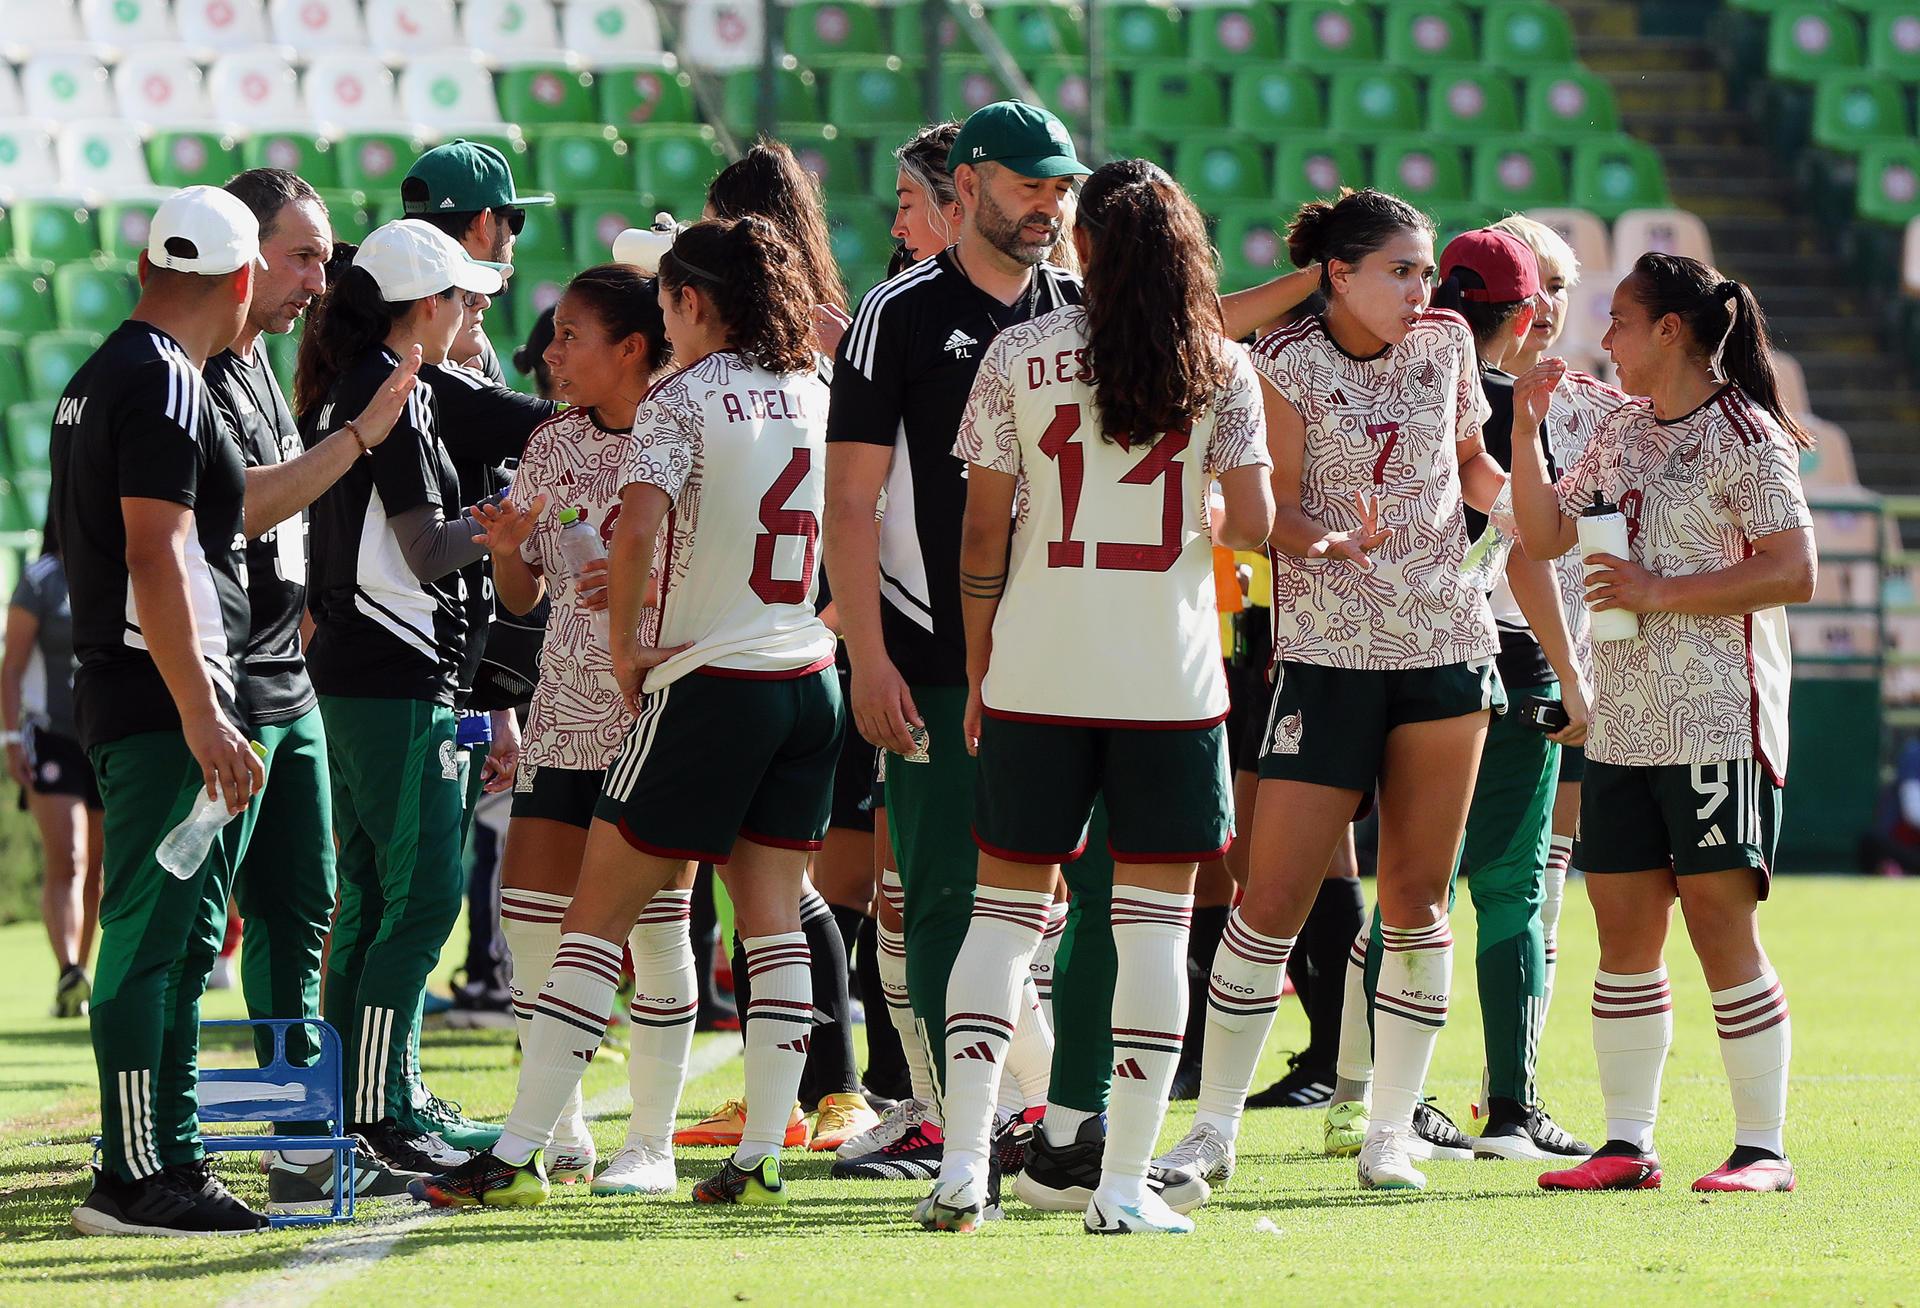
(221, 234)
(410, 260)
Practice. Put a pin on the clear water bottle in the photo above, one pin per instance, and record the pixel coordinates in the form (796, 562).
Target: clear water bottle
(580, 545)
(185, 847)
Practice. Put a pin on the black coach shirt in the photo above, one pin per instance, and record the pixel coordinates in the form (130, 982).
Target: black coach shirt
(1521, 660)
(138, 422)
(902, 377)
(256, 411)
(380, 632)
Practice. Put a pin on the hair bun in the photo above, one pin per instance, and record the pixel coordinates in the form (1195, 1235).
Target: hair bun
(1307, 234)
(1726, 289)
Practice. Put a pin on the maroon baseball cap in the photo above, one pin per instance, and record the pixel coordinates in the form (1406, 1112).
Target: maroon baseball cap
(1505, 264)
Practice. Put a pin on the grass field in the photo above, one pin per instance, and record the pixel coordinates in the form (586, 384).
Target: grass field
(1482, 1233)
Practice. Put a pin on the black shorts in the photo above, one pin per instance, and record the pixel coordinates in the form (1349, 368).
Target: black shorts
(1248, 698)
(854, 787)
(557, 794)
(1329, 726)
(1691, 817)
(1573, 763)
(59, 766)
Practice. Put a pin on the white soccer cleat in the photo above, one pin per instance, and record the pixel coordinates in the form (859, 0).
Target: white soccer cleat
(894, 1124)
(1206, 1152)
(570, 1163)
(1385, 1163)
(645, 1167)
(1108, 1215)
(959, 1205)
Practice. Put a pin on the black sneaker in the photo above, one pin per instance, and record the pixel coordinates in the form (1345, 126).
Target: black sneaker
(71, 995)
(164, 1204)
(405, 1150)
(1436, 1138)
(1062, 1178)
(1301, 1087)
(1525, 1133)
(481, 1007)
(308, 1187)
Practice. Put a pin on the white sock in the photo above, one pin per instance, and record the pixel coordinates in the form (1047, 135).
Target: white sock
(893, 984)
(779, 1022)
(1042, 966)
(1553, 892)
(1409, 1008)
(1062, 1124)
(984, 993)
(1756, 1043)
(664, 1003)
(1149, 1023)
(1353, 1063)
(1243, 993)
(1030, 1059)
(530, 922)
(1632, 1031)
(570, 1013)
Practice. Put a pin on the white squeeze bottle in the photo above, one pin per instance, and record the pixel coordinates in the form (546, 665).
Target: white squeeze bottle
(185, 847)
(580, 545)
(1603, 530)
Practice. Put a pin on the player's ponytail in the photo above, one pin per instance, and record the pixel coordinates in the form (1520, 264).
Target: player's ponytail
(1155, 340)
(627, 303)
(1349, 228)
(769, 182)
(1726, 325)
(755, 284)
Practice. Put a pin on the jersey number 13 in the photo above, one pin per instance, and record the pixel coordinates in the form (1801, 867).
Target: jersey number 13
(1161, 464)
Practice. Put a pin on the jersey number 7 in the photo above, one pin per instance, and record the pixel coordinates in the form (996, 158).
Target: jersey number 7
(780, 521)
(1161, 464)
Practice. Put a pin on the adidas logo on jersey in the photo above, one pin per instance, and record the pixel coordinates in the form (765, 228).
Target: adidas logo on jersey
(1129, 1069)
(980, 1050)
(1713, 838)
(959, 344)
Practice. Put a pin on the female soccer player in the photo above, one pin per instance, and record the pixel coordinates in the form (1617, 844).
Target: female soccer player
(1385, 673)
(730, 758)
(391, 631)
(1091, 435)
(608, 341)
(1688, 750)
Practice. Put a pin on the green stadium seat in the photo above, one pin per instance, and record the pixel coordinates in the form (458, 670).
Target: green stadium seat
(1569, 103)
(33, 487)
(1033, 31)
(821, 32)
(93, 296)
(1063, 87)
(570, 160)
(1141, 34)
(878, 100)
(1893, 40)
(26, 305)
(1888, 189)
(909, 35)
(312, 157)
(347, 212)
(1325, 32)
(1470, 102)
(544, 237)
(862, 235)
(1519, 173)
(179, 157)
(52, 230)
(377, 162)
(966, 84)
(13, 376)
(796, 98)
(1275, 98)
(1807, 40)
(1217, 172)
(646, 94)
(1133, 144)
(1219, 36)
(1516, 34)
(1612, 176)
(1423, 32)
(1367, 102)
(828, 155)
(676, 163)
(1178, 100)
(534, 288)
(1420, 172)
(1304, 170)
(1851, 109)
(283, 352)
(29, 432)
(6, 232)
(1252, 241)
(539, 94)
(598, 217)
(1452, 217)
(53, 358)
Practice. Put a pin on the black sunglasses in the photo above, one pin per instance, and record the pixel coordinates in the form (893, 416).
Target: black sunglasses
(514, 216)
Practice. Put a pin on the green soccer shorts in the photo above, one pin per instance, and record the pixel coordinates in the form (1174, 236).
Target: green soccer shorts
(1329, 726)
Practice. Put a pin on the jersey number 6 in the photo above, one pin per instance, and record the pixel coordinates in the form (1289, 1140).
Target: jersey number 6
(779, 521)
(1160, 464)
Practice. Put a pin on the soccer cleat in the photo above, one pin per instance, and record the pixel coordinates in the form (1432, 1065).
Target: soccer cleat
(571, 1163)
(760, 1187)
(1515, 1132)
(486, 1181)
(73, 993)
(1013, 1138)
(1345, 1129)
(1615, 1165)
(723, 1126)
(169, 1203)
(840, 1118)
(1301, 1087)
(1435, 1138)
(308, 1187)
(640, 1167)
(1204, 1152)
(407, 1150)
(915, 1156)
(956, 1206)
(1386, 1163)
(1749, 1170)
(443, 1118)
(1107, 1215)
(897, 1121)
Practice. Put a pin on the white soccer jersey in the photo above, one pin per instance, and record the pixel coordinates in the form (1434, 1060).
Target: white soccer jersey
(1696, 493)
(577, 719)
(1384, 426)
(1109, 615)
(741, 452)
(1579, 406)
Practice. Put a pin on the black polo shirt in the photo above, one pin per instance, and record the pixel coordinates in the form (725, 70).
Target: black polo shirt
(902, 377)
(1521, 660)
(138, 422)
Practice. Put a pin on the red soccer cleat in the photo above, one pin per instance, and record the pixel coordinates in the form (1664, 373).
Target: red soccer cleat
(1759, 1176)
(1605, 1171)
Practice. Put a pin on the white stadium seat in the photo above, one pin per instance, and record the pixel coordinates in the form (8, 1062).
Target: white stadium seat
(215, 25)
(314, 25)
(608, 33)
(60, 86)
(161, 85)
(512, 31)
(720, 34)
(11, 103)
(1586, 234)
(105, 156)
(1587, 308)
(1910, 259)
(26, 156)
(258, 88)
(448, 91)
(30, 25)
(124, 24)
(1793, 384)
(400, 29)
(350, 90)
(1666, 231)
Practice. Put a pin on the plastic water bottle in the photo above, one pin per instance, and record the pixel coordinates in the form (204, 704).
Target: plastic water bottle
(580, 545)
(1603, 530)
(185, 847)
(644, 247)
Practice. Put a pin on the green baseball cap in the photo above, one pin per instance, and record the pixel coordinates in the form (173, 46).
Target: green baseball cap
(461, 177)
(1016, 135)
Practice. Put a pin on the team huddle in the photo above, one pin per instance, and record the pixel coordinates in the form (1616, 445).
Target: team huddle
(962, 555)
